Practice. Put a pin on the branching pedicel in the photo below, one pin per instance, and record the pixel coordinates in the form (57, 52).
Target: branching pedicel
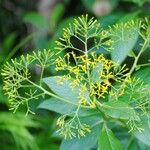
(103, 79)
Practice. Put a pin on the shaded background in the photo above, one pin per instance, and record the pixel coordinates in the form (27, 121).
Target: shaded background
(27, 25)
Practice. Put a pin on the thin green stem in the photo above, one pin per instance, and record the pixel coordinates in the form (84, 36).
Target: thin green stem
(145, 45)
(144, 65)
(41, 75)
(86, 55)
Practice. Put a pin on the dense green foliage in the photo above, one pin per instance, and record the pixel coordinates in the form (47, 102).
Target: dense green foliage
(93, 73)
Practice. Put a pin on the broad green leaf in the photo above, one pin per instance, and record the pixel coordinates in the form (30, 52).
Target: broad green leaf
(57, 14)
(144, 75)
(119, 109)
(36, 20)
(87, 142)
(110, 19)
(121, 133)
(144, 136)
(132, 146)
(95, 73)
(135, 144)
(62, 87)
(143, 146)
(107, 140)
(70, 97)
(125, 37)
(65, 108)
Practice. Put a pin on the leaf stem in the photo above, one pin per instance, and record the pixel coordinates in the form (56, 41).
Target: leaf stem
(145, 45)
(41, 75)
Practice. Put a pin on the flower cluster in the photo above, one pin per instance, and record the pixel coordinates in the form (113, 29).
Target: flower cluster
(95, 79)
(17, 77)
(72, 127)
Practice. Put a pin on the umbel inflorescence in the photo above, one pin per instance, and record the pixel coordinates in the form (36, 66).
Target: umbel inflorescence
(99, 83)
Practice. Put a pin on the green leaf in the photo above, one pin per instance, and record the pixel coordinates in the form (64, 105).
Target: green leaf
(16, 125)
(95, 73)
(143, 146)
(144, 75)
(119, 109)
(64, 90)
(36, 20)
(9, 42)
(88, 3)
(70, 98)
(131, 54)
(125, 37)
(63, 24)
(3, 98)
(87, 142)
(57, 14)
(65, 108)
(144, 136)
(110, 19)
(129, 16)
(107, 140)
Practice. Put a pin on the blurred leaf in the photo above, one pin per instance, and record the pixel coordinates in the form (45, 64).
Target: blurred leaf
(16, 125)
(36, 20)
(8, 42)
(65, 108)
(132, 145)
(67, 1)
(63, 24)
(3, 99)
(107, 140)
(124, 38)
(88, 3)
(114, 3)
(110, 19)
(119, 109)
(129, 16)
(13, 120)
(56, 15)
(40, 41)
(57, 12)
(139, 2)
(17, 47)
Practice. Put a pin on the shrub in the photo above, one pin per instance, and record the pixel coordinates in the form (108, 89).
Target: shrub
(95, 91)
